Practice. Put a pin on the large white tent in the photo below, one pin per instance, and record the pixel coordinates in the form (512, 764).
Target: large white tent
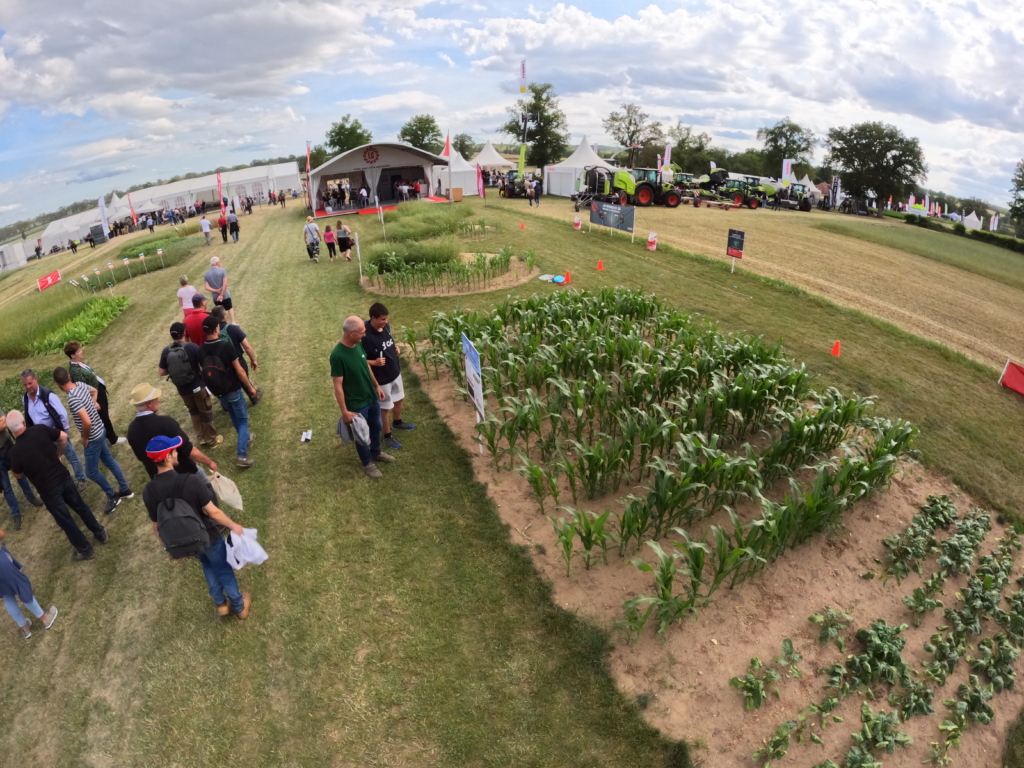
(560, 179)
(378, 167)
(256, 182)
(463, 175)
(12, 255)
(971, 221)
(488, 157)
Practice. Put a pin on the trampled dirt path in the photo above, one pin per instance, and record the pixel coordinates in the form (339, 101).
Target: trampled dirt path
(685, 677)
(964, 311)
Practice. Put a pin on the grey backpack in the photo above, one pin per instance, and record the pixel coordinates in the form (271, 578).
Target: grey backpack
(179, 526)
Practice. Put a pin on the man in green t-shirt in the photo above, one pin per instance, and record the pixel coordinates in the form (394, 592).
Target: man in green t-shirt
(357, 391)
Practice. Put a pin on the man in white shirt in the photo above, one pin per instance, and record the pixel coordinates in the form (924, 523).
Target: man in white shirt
(44, 407)
(205, 225)
(362, 197)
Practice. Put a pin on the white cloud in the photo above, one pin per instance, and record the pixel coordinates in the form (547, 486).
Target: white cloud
(409, 101)
(446, 59)
(12, 207)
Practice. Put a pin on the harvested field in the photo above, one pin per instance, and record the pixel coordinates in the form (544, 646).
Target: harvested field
(967, 312)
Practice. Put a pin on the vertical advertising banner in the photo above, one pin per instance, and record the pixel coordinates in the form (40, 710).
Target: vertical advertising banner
(102, 203)
(480, 182)
(787, 169)
(522, 160)
(522, 76)
(309, 181)
(220, 196)
(135, 218)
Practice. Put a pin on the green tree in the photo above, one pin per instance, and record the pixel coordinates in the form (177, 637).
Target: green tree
(691, 151)
(464, 145)
(548, 134)
(422, 132)
(634, 129)
(782, 141)
(875, 157)
(347, 134)
(318, 156)
(1017, 201)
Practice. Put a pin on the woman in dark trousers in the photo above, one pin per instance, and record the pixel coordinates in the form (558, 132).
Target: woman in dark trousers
(81, 372)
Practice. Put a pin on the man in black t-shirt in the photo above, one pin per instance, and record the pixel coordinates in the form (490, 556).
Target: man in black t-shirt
(149, 424)
(162, 450)
(382, 355)
(239, 339)
(230, 396)
(191, 390)
(34, 455)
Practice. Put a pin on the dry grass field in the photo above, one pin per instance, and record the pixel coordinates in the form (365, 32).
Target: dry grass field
(965, 311)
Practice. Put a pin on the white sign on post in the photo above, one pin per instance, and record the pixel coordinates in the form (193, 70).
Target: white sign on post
(474, 379)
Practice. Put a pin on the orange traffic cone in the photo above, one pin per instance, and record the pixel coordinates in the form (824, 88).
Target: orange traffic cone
(835, 349)
(568, 278)
(600, 265)
(522, 225)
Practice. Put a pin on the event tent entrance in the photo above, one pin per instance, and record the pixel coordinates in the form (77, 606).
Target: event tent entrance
(560, 179)
(377, 166)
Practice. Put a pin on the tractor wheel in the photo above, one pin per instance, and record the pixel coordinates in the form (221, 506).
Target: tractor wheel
(696, 201)
(577, 206)
(644, 195)
(623, 198)
(805, 205)
(754, 203)
(672, 199)
(738, 198)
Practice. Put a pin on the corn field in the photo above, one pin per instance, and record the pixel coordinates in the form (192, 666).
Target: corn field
(597, 393)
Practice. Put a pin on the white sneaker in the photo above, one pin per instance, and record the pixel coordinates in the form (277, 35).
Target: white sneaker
(121, 440)
(49, 617)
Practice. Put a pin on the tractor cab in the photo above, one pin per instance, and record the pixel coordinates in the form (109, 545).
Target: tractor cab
(753, 181)
(646, 174)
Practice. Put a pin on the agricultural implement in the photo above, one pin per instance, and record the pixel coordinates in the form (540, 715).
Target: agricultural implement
(652, 190)
(795, 197)
(604, 186)
(512, 186)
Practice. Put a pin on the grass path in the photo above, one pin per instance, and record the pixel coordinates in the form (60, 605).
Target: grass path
(393, 625)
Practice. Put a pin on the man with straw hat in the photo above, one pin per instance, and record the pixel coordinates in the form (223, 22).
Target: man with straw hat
(169, 486)
(149, 423)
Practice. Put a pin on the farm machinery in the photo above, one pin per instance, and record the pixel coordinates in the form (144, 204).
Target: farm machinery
(512, 186)
(639, 186)
(795, 197)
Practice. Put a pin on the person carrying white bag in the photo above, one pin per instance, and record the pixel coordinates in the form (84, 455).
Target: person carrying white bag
(187, 521)
(244, 549)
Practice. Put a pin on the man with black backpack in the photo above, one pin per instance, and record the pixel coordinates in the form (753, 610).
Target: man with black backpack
(225, 377)
(180, 363)
(187, 522)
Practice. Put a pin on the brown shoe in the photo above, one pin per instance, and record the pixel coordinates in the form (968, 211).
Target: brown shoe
(223, 610)
(246, 602)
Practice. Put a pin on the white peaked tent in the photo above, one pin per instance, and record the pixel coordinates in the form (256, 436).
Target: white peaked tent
(560, 179)
(463, 175)
(971, 221)
(488, 157)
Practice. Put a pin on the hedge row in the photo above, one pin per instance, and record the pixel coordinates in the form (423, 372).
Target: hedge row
(992, 238)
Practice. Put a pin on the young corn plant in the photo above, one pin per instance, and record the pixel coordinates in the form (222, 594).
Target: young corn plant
(634, 523)
(666, 607)
(590, 527)
(535, 476)
(754, 686)
(565, 530)
(490, 432)
(833, 624)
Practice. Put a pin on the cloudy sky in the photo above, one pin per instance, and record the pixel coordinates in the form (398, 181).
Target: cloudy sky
(101, 94)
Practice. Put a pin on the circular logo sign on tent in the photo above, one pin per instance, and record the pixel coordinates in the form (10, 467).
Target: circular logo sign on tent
(371, 155)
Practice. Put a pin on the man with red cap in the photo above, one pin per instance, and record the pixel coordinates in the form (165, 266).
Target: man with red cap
(168, 484)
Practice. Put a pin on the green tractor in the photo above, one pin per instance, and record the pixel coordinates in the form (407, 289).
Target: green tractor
(513, 186)
(651, 189)
(795, 197)
(742, 192)
(604, 186)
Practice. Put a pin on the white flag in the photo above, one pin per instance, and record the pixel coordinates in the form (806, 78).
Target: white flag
(787, 169)
(102, 203)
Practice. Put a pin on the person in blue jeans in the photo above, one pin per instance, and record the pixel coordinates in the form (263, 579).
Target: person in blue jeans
(358, 392)
(6, 443)
(41, 406)
(82, 402)
(225, 377)
(162, 450)
(14, 586)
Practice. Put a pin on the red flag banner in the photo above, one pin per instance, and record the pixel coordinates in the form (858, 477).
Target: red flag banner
(309, 181)
(220, 196)
(135, 219)
(1013, 377)
(447, 148)
(51, 279)
(480, 182)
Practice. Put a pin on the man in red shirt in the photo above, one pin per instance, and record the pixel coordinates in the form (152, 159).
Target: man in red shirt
(416, 188)
(194, 322)
(222, 222)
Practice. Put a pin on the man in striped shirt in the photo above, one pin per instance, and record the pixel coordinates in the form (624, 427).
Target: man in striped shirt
(82, 405)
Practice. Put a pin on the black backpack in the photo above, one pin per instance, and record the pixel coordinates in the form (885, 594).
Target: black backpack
(216, 376)
(179, 526)
(179, 367)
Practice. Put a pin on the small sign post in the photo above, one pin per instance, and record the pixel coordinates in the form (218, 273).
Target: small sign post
(734, 247)
(474, 381)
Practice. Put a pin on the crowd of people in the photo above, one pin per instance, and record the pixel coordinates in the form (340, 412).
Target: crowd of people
(209, 356)
(339, 240)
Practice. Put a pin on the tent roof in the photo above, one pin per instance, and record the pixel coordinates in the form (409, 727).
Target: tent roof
(356, 154)
(488, 157)
(583, 157)
(459, 163)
